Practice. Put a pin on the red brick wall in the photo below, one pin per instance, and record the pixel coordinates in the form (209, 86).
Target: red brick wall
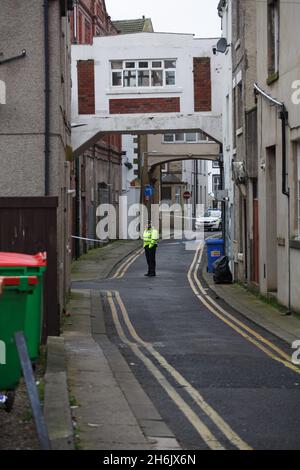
(92, 20)
(144, 105)
(202, 84)
(86, 87)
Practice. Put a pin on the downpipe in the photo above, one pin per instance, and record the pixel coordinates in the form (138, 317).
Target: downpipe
(47, 97)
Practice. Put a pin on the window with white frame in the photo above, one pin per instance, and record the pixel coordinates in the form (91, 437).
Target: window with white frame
(185, 137)
(143, 73)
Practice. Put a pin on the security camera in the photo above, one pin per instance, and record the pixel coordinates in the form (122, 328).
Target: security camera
(214, 51)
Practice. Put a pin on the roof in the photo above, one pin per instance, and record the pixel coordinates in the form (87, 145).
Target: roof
(134, 26)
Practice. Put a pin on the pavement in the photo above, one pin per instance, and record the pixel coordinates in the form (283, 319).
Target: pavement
(104, 380)
(285, 327)
(92, 399)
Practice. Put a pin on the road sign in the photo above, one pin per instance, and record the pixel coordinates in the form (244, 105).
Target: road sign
(187, 195)
(148, 192)
(221, 195)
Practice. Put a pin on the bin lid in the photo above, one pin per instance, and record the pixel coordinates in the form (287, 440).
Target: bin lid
(214, 241)
(19, 259)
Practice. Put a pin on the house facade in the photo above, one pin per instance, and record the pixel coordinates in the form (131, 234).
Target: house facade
(278, 150)
(261, 151)
(35, 139)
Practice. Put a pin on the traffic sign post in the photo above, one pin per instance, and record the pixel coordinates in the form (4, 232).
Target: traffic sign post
(187, 195)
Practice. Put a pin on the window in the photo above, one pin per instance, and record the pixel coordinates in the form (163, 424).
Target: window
(130, 65)
(88, 32)
(179, 137)
(178, 195)
(273, 37)
(201, 137)
(116, 64)
(191, 137)
(129, 78)
(188, 137)
(215, 164)
(143, 65)
(143, 73)
(157, 78)
(237, 17)
(157, 64)
(237, 110)
(216, 183)
(166, 193)
(169, 138)
(170, 77)
(117, 78)
(239, 101)
(144, 78)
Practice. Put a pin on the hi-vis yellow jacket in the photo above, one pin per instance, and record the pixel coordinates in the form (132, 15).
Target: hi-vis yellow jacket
(150, 237)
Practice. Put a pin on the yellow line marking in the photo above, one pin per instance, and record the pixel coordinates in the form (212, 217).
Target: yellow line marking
(197, 397)
(230, 323)
(211, 441)
(125, 265)
(129, 264)
(250, 330)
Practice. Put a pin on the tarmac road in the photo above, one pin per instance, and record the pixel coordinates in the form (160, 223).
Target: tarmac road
(218, 380)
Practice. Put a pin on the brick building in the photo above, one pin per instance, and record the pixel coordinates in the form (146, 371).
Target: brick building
(97, 171)
(150, 83)
(35, 129)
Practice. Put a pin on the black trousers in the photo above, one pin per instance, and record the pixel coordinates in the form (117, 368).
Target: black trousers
(150, 256)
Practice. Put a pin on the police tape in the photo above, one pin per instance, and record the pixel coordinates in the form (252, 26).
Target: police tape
(89, 239)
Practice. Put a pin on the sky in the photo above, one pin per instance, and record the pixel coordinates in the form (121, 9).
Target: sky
(199, 17)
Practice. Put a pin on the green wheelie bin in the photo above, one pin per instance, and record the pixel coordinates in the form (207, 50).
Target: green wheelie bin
(14, 292)
(18, 264)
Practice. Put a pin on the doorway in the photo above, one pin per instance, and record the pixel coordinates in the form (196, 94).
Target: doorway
(271, 220)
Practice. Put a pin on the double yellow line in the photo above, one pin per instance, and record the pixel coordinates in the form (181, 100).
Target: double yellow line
(127, 263)
(241, 328)
(138, 345)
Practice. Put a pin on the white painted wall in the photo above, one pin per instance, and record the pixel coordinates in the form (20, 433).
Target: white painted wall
(227, 107)
(183, 47)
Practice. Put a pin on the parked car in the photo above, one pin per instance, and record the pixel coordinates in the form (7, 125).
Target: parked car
(211, 220)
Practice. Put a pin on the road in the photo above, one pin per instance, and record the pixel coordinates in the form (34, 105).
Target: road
(218, 380)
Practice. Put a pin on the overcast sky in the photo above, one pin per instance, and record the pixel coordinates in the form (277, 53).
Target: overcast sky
(199, 17)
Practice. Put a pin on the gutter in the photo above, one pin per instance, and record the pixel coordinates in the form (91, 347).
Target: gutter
(47, 97)
(283, 116)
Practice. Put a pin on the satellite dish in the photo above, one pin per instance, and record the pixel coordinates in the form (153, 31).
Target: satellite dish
(222, 45)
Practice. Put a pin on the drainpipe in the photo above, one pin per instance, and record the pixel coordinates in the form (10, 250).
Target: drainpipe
(75, 21)
(283, 116)
(77, 207)
(47, 96)
(223, 204)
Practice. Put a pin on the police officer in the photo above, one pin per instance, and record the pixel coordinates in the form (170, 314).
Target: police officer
(150, 244)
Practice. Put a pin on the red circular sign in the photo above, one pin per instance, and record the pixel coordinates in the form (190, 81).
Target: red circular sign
(187, 195)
